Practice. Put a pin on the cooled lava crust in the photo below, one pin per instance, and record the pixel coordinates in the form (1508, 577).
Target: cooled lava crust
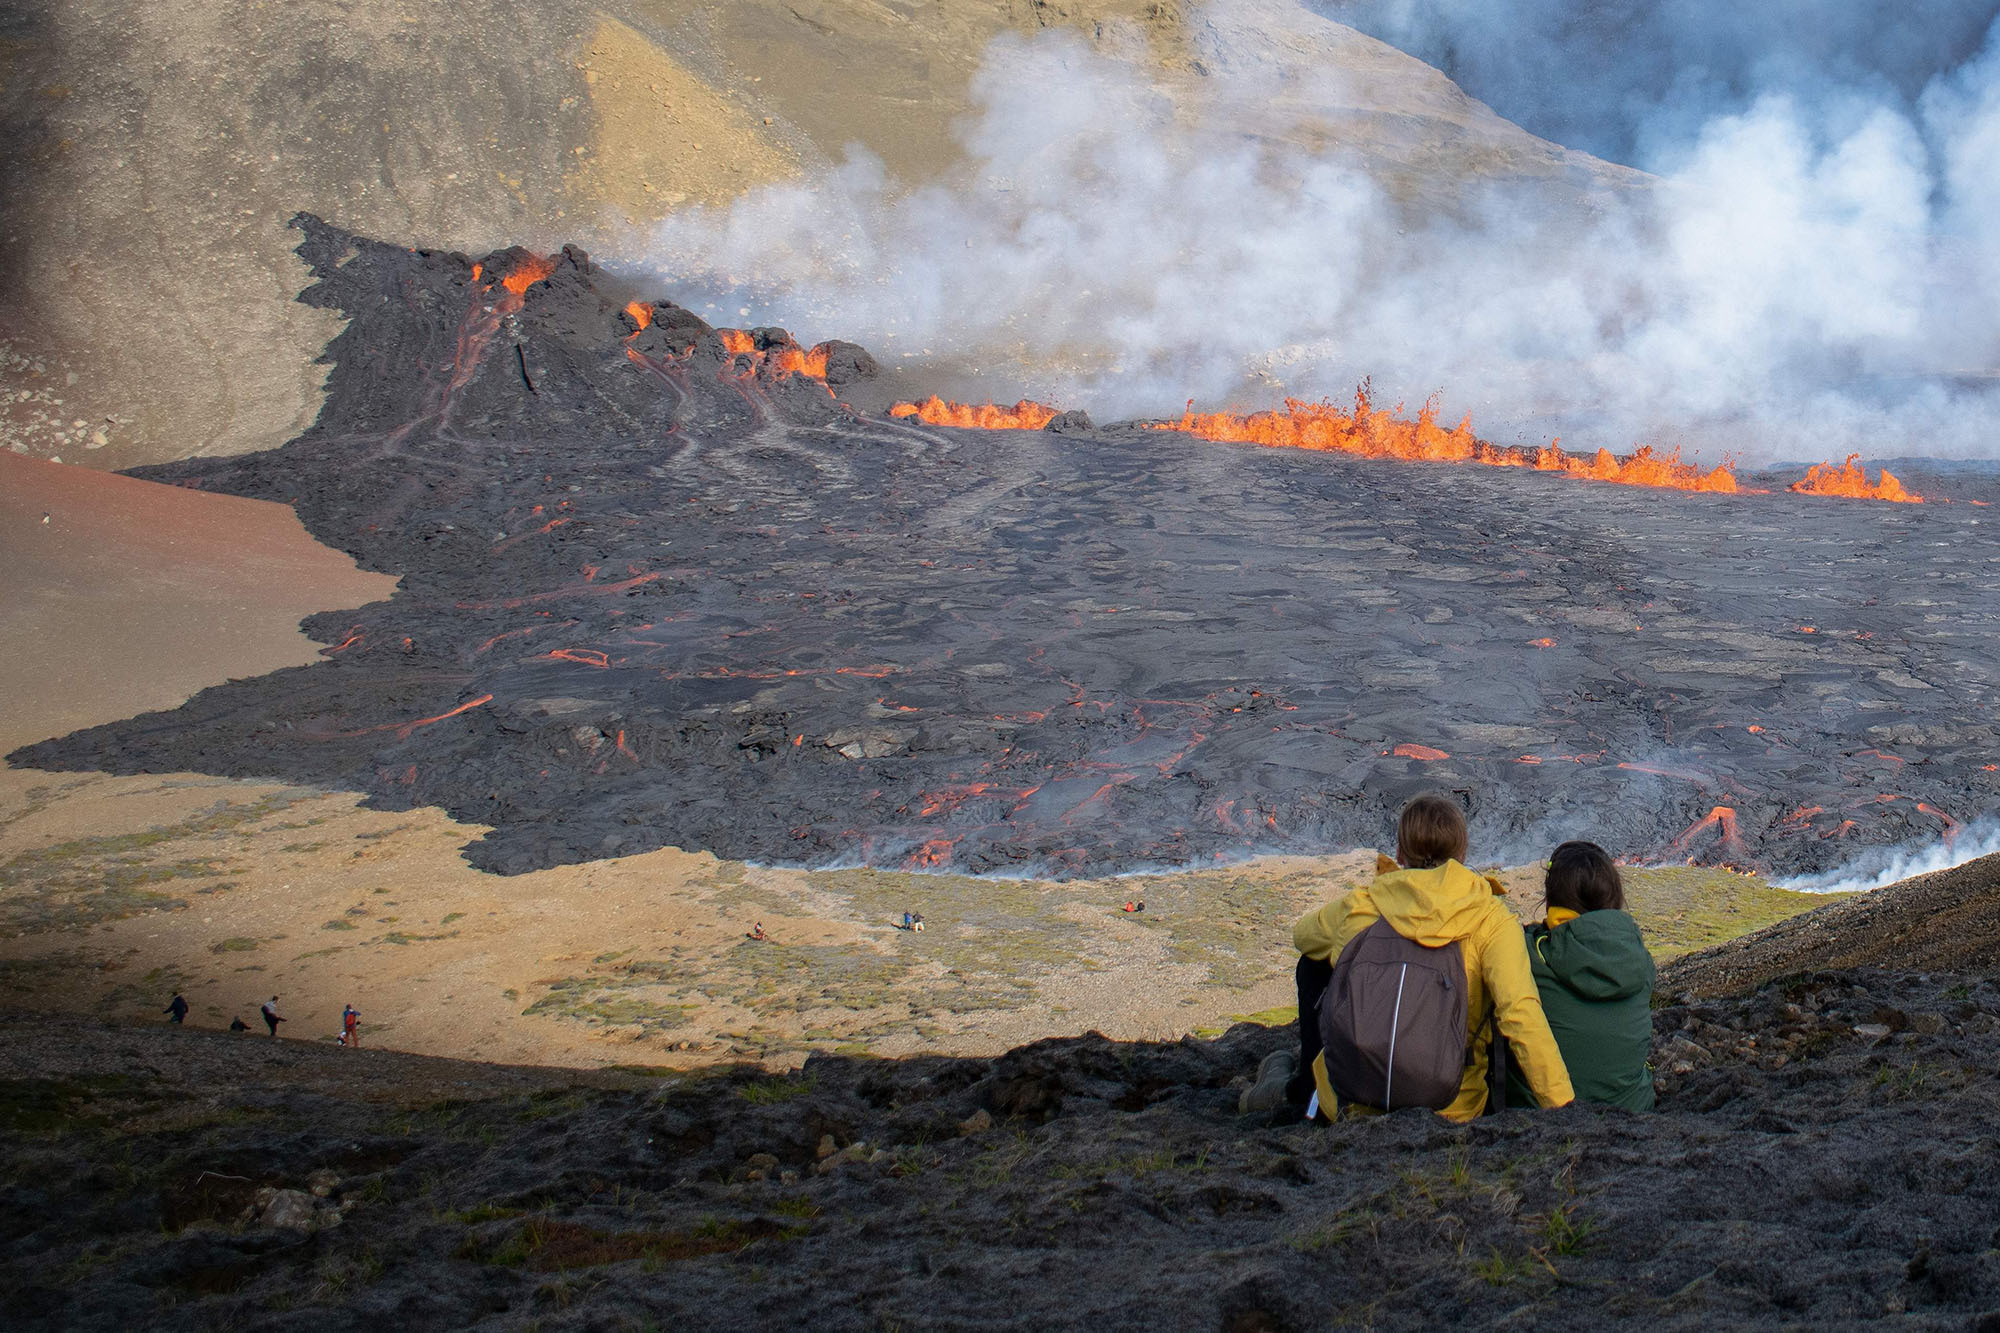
(657, 590)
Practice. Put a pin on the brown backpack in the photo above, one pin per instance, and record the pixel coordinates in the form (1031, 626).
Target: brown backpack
(1394, 1019)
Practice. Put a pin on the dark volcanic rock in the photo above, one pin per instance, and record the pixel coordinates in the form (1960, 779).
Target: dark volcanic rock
(847, 364)
(1809, 1172)
(1947, 920)
(660, 586)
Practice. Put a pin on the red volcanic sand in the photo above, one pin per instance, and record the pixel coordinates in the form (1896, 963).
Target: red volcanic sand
(134, 595)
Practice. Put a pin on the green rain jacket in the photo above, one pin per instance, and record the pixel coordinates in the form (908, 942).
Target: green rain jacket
(1596, 982)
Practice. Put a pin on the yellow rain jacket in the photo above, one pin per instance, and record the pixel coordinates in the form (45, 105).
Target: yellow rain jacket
(1433, 908)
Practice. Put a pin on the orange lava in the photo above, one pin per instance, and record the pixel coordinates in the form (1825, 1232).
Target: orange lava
(641, 313)
(1409, 751)
(799, 361)
(931, 854)
(590, 657)
(1370, 432)
(530, 271)
(1722, 819)
(784, 358)
(935, 411)
(1850, 479)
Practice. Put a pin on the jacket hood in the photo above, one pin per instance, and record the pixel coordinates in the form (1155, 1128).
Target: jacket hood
(1433, 907)
(1598, 956)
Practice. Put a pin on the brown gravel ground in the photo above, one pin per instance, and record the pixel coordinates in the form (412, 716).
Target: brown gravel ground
(1945, 921)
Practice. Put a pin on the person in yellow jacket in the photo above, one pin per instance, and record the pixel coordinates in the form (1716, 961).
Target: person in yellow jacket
(1431, 898)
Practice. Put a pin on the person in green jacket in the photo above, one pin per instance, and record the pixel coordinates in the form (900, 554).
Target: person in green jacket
(1596, 982)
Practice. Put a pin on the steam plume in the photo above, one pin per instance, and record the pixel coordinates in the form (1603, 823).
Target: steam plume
(1804, 277)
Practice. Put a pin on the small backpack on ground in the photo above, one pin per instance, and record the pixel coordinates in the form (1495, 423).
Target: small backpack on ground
(1393, 1020)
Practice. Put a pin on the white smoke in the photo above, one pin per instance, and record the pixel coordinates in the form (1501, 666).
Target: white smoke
(1793, 286)
(1887, 865)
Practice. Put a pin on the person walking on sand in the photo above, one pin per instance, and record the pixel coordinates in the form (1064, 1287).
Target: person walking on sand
(177, 1009)
(270, 1012)
(350, 1026)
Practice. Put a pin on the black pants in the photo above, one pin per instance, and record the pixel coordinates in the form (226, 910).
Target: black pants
(1312, 976)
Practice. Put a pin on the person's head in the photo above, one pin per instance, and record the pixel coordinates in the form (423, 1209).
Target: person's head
(1583, 878)
(1430, 831)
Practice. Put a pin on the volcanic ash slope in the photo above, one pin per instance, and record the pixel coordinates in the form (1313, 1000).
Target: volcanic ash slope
(1821, 1157)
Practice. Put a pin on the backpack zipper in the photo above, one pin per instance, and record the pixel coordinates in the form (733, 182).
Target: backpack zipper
(1395, 1022)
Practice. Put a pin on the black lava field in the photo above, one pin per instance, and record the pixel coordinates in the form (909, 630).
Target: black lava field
(660, 587)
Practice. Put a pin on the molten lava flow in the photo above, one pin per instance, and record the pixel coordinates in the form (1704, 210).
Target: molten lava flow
(1409, 750)
(533, 269)
(799, 361)
(1851, 479)
(935, 411)
(1370, 432)
(781, 356)
(932, 854)
(641, 313)
(1722, 819)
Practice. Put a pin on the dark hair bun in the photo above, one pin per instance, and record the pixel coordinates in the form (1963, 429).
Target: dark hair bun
(1582, 877)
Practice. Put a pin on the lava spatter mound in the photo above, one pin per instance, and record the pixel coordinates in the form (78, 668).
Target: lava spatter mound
(662, 585)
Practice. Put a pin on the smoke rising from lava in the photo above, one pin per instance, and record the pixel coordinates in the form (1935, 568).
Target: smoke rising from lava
(1876, 867)
(1804, 278)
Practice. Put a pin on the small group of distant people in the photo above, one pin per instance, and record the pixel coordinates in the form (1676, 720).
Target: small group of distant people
(350, 1019)
(1424, 989)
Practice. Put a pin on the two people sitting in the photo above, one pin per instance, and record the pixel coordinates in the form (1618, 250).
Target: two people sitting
(1404, 984)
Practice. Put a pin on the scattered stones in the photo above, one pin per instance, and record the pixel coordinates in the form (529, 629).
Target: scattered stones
(1682, 1055)
(977, 1123)
(848, 1156)
(288, 1210)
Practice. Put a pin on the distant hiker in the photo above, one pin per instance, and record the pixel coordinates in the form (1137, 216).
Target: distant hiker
(1135, 907)
(350, 1026)
(909, 922)
(238, 1025)
(1399, 982)
(1596, 981)
(177, 1008)
(756, 932)
(917, 922)
(270, 1012)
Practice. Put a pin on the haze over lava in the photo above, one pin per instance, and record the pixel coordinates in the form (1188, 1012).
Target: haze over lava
(662, 585)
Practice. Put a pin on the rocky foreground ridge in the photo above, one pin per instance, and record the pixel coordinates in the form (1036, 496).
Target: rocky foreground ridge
(1823, 1155)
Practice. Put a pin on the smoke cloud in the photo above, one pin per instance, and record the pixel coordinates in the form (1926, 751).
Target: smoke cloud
(1634, 81)
(1812, 269)
(1888, 865)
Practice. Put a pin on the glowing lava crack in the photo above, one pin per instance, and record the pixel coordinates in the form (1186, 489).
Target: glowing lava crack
(671, 584)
